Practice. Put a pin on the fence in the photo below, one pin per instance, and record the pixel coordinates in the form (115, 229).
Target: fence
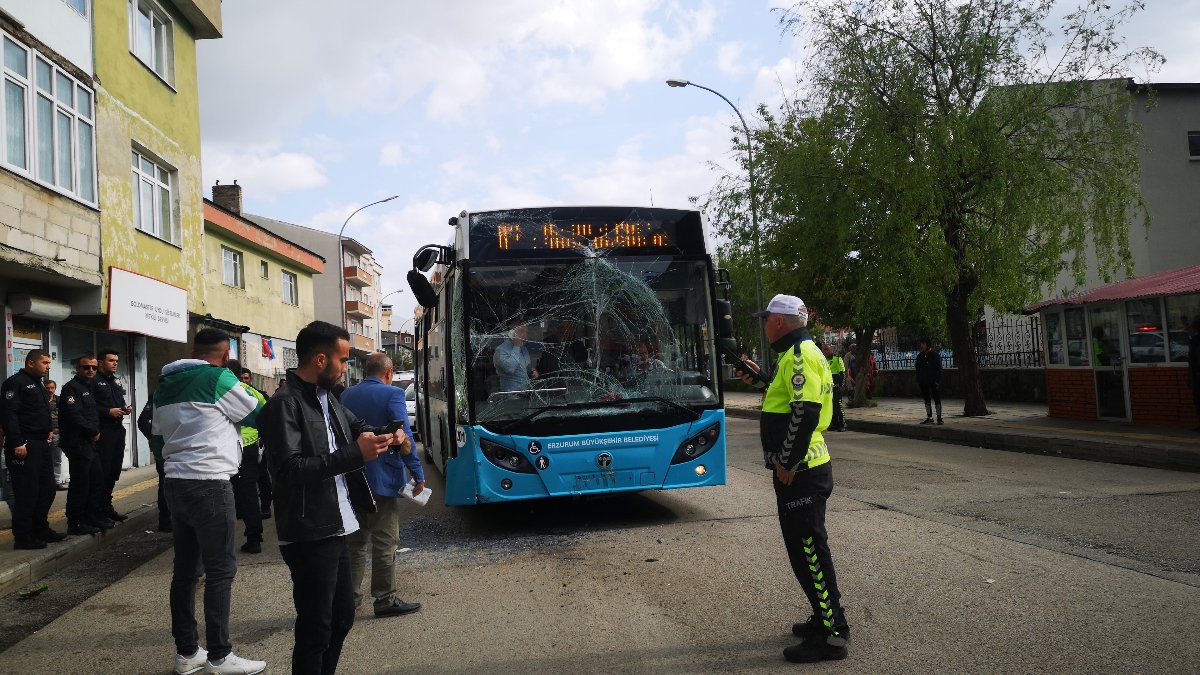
(1003, 342)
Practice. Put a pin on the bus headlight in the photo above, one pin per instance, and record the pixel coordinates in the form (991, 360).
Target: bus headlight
(505, 458)
(697, 445)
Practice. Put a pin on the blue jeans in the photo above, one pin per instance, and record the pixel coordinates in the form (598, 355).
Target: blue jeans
(203, 520)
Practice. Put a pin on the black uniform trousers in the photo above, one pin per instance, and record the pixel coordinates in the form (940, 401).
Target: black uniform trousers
(33, 489)
(245, 493)
(839, 413)
(111, 451)
(85, 493)
(164, 509)
(802, 520)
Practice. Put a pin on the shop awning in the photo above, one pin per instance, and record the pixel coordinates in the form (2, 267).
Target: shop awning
(1172, 282)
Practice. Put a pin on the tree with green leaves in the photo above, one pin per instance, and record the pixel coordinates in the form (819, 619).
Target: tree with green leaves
(988, 153)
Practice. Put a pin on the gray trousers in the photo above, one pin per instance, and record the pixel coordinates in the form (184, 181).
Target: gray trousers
(203, 520)
(377, 537)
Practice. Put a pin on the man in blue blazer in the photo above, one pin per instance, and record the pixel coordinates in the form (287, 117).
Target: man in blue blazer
(376, 402)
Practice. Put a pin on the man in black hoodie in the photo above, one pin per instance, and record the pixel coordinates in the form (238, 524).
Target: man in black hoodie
(319, 484)
(929, 379)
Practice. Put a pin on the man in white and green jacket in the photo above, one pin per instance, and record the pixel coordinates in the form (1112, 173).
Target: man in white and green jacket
(198, 408)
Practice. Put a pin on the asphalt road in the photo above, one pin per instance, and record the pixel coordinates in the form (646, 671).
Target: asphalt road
(950, 559)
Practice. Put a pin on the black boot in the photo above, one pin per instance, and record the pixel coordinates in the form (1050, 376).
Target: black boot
(825, 647)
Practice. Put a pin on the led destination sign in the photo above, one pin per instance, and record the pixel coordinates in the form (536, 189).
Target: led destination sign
(580, 230)
(599, 236)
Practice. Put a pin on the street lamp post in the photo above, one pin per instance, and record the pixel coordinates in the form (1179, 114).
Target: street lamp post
(341, 263)
(379, 313)
(754, 233)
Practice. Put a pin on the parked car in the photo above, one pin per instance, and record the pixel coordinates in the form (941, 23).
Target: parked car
(410, 401)
(403, 378)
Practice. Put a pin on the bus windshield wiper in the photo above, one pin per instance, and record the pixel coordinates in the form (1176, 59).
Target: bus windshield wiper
(659, 399)
(692, 414)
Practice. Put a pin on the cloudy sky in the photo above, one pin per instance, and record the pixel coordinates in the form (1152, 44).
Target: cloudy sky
(472, 104)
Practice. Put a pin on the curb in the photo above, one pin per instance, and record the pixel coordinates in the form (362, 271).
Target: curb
(1152, 455)
(73, 549)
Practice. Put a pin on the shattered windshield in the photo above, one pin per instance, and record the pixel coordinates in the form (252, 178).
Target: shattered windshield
(596, 335)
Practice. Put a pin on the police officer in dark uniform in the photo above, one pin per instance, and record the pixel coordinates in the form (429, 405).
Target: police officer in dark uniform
(80, 429)
(27, 432)
(797, 408)
(111, 409)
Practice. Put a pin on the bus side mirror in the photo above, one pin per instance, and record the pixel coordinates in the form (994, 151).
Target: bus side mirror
(724, 316)
(424, 260)
(729, 347)
(421, 288)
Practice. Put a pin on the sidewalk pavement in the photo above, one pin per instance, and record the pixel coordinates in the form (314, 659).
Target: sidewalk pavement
(136, 496)
(1017, 427)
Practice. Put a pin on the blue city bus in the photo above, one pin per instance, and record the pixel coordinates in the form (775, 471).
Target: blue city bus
(611, 311)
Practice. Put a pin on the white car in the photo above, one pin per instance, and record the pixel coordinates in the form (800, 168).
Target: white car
(410, 402)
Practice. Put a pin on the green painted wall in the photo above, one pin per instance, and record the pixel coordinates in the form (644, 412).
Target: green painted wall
(136, 108)
(260, 304)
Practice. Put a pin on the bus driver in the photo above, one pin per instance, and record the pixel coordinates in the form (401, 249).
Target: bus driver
(513, 366)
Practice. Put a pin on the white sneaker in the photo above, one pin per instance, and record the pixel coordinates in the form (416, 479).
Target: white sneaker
(233, 664)
(184, 665)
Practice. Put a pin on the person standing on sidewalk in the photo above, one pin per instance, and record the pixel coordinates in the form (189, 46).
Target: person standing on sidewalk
(264, 473)
(1194, 364)
(145, 425)
(198, 407)
(929, 379)
(796, 409)
(838, 370)
(25, 405)
(375, 401)
(245, 481)
(80, 431)
(109, 393)
(317, 449)
(60, 479)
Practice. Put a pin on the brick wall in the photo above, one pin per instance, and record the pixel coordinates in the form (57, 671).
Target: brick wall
(45, 230)
(1160, 396)
(1071, 393)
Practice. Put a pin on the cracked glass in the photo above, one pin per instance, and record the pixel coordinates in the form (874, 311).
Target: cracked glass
(577, 312)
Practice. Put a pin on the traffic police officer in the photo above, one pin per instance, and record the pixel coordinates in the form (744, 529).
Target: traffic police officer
(796, 409)
(111, 409)
(80, 428)
(838, 370)
(27, 432)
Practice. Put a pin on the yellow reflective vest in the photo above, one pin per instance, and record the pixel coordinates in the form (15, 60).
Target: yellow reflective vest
(799, 376)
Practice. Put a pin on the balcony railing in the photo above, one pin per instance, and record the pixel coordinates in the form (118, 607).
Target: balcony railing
(357, 276)
(362, 342)
(359, 309)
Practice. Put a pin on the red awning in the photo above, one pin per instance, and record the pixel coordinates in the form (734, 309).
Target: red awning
(1171, 282)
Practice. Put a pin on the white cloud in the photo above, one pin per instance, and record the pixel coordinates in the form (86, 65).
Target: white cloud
(730, 59)
(324, 55)
(392, 155)
(263, 172)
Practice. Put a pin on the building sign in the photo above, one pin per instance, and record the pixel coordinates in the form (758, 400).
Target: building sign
(142, 304)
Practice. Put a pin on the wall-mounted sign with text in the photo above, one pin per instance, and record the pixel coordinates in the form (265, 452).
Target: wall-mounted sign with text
(142, 304)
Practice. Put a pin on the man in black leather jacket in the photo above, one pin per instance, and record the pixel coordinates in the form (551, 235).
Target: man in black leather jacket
(316, 449)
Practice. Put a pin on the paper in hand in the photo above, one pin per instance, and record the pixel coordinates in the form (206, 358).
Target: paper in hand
(422, 498)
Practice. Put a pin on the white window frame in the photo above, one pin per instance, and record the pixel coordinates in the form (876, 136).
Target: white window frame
(81, 124)
(153, 180)
(284, 277)
(160, 24)
(86, 6)
(234, 257)
(264, 270)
